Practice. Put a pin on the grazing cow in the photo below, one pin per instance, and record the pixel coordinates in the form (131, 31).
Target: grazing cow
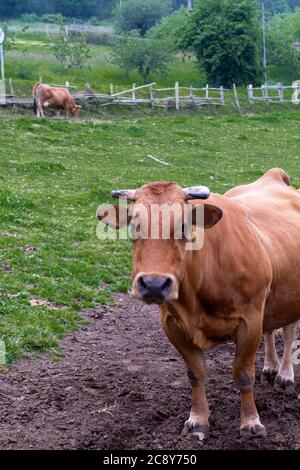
(45, 96)
(242, 283)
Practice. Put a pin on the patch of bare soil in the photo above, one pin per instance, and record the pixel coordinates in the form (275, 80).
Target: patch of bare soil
(121, 385)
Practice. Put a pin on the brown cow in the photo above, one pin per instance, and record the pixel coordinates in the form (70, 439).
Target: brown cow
(244, 281)
(58, 98)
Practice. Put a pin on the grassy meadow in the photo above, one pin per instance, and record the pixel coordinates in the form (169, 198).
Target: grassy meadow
(55, 173)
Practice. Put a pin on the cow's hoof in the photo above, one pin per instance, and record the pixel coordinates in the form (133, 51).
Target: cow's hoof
(199, 430)
(284, 383)
(256, 430)
(268, 376)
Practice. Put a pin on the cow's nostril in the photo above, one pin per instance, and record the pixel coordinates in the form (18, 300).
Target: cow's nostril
(167, 284)
(142, 282)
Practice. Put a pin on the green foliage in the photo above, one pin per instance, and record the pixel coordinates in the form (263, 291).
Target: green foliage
(282, 32)
(170, 29)
(140, 15)
(225, 36)
(53, 18)
(70, 50)
(10, 38)
(146, 55)
(29, 17)
(70, 8)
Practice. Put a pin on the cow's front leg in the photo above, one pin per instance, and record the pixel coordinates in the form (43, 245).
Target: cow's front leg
(198, 420)
(271, 364)
(247, 340)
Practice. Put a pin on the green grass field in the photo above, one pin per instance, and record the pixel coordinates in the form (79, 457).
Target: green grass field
(55, 173)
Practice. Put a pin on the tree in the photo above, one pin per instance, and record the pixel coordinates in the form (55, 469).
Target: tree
(226, 38)
(277, 6)
(70, 8)
(70, 50)
(141, 15)
(170, 29)
(282, 32)
(10, 39)
(133, 52)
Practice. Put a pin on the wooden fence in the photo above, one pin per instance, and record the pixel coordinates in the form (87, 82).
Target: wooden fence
(275, 93)
(176, 97)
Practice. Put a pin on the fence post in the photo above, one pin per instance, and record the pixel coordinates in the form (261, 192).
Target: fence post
(177, 104)
(111, 89)
(207, 93)
(250, 93)
(133, 91)
(265, 94)
(222, 97)
(280, 92)
(236, 97)
(11, 88)
(152, 95)
(68, 85)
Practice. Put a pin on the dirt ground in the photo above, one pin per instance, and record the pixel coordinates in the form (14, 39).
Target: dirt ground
(121, 385)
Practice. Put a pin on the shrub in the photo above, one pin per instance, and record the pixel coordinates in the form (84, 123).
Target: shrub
(226, 38)
(141, 15)
(29, 18)
(71, 50)
(133, 52)
(53, 19)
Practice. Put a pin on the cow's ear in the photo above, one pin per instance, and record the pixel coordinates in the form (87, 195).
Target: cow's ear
(114, 216)
(211, 214)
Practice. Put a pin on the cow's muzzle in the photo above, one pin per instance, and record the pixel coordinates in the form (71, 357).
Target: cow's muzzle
(155, 289)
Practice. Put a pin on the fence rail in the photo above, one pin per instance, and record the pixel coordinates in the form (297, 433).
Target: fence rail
(168, 97)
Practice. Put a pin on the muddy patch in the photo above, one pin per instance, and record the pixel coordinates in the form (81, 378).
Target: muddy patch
(121, 385)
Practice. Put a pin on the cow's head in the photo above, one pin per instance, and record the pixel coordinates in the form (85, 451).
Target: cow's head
(164, 220)
(75, 111)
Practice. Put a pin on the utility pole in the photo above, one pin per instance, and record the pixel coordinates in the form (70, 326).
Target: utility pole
(190, 5)
(2, 37)
(264, 39)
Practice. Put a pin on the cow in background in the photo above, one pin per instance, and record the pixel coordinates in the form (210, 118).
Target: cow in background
(45, 96)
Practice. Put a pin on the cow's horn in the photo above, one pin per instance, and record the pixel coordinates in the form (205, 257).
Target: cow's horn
(197, 192)
(126, 193)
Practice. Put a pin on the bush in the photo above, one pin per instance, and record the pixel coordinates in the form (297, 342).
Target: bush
(71, 50)
(29, 18)
(226, 38)
(97, 39)
(95, 21)
(53, 19)
(171, 28)
(133, 52)
(10, 39)
(141, 15)
(282, 32)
